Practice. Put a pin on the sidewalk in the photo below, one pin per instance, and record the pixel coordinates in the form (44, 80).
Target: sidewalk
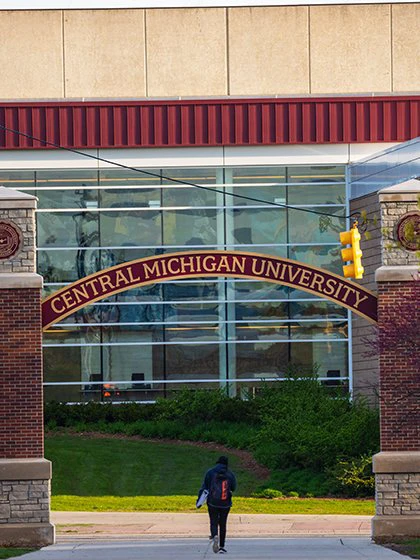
(143, 524)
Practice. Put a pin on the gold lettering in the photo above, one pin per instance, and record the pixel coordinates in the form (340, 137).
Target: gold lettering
(91, 284)
(304, 278)
(151, 271)
(105, 281)
(283, 271)
(54, 305)
(318, 279)
(238, 264)
(163, 267)
(209, 268)
(359, 299)
(187, 262)
(80, 293)
(68, 299)
(291, 275)
(331, 286)
(224, 263)
(338, 290)
(172, 270)
(346, 295)
(271, 270)
(131, 277)
(120, 278)
(262, 267)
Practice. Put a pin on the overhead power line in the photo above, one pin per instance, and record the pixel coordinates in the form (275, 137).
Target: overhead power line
(171, 179)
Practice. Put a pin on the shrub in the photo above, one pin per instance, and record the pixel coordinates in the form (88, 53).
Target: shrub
(268, 493)
(355, 476)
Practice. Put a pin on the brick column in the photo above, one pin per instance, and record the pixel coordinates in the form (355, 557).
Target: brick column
(397, 466)
(24, 473)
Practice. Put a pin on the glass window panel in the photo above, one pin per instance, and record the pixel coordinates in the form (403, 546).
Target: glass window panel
(199, 361)
(325, 356)
(259, 291)
(322, 256)
(194, 333)
(190, 196)
(316, 174)
(193, 291)
(261, 360)
(119, 229)
(270, 331)
(256, 175)
(331, 193)
(68, 199)
(131, 198)
(67, 266)
(190, 312)
(316, 309)
(190, 227)
(327, 329)
(67, 178)
(18, 180)
(277, 251)
(126, 177)
(150, 293)
(251, 311)
(258, 225)
(305, 227)
(201, 175)
(79, 229)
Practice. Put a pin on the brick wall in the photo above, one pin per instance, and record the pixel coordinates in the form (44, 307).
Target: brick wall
(399, 344)
(21, 400)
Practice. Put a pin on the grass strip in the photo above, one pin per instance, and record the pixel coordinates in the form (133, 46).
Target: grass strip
(186, 504)
(13, 552)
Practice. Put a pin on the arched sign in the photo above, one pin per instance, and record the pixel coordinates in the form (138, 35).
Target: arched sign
(191, 264)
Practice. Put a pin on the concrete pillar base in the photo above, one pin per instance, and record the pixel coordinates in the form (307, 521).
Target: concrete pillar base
(389, 526)
(31, 535)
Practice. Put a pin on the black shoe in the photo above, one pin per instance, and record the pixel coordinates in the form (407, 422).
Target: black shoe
(222, 550)
(216, 544)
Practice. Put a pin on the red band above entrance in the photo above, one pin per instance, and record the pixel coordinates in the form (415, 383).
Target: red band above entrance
(220, 122)
(191, 264)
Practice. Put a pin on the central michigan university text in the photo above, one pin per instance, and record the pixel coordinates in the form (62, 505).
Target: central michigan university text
(208, 263)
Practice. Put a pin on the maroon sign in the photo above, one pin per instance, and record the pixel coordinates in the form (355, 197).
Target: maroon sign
(191, 264)
(408, 231)
(10, 239)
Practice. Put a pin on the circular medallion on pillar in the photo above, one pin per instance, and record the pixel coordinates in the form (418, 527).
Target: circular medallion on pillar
(408, 231)
(10, 239)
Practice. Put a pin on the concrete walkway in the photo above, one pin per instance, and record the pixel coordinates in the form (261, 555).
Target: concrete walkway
(347, 548)
(111, 525)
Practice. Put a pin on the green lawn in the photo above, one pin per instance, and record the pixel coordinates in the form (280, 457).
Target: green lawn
(12, 552)
(103, 474)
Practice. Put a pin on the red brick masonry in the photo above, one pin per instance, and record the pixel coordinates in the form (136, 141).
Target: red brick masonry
(21, 399)
(399, 341)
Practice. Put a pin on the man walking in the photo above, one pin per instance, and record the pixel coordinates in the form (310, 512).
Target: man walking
(220, 482)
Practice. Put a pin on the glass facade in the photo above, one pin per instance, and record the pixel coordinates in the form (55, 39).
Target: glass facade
(151, 341)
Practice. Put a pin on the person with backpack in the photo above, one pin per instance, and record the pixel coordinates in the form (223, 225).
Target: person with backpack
(219, 482)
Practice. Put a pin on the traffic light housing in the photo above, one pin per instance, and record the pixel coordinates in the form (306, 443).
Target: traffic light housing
(352, 254)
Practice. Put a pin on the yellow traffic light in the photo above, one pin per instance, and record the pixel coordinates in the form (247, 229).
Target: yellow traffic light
(352, 254)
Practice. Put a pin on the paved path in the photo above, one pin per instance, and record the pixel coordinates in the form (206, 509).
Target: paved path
(347, 548)
(144, 524)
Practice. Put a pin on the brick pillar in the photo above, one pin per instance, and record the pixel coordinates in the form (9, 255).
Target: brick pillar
(24, 473)
(397, 466)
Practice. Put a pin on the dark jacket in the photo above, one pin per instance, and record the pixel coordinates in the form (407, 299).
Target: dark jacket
(208, 479)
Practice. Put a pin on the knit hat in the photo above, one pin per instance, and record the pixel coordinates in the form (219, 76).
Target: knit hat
(222, 460)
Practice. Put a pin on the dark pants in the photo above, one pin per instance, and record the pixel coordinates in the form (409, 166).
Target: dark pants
(218, 520)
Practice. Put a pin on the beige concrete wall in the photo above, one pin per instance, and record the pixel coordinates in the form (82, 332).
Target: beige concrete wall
(268, 51)
(406, 47)
(104, 53)
(204, 52)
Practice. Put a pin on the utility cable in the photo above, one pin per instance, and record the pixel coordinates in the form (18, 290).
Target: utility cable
(172, 179)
